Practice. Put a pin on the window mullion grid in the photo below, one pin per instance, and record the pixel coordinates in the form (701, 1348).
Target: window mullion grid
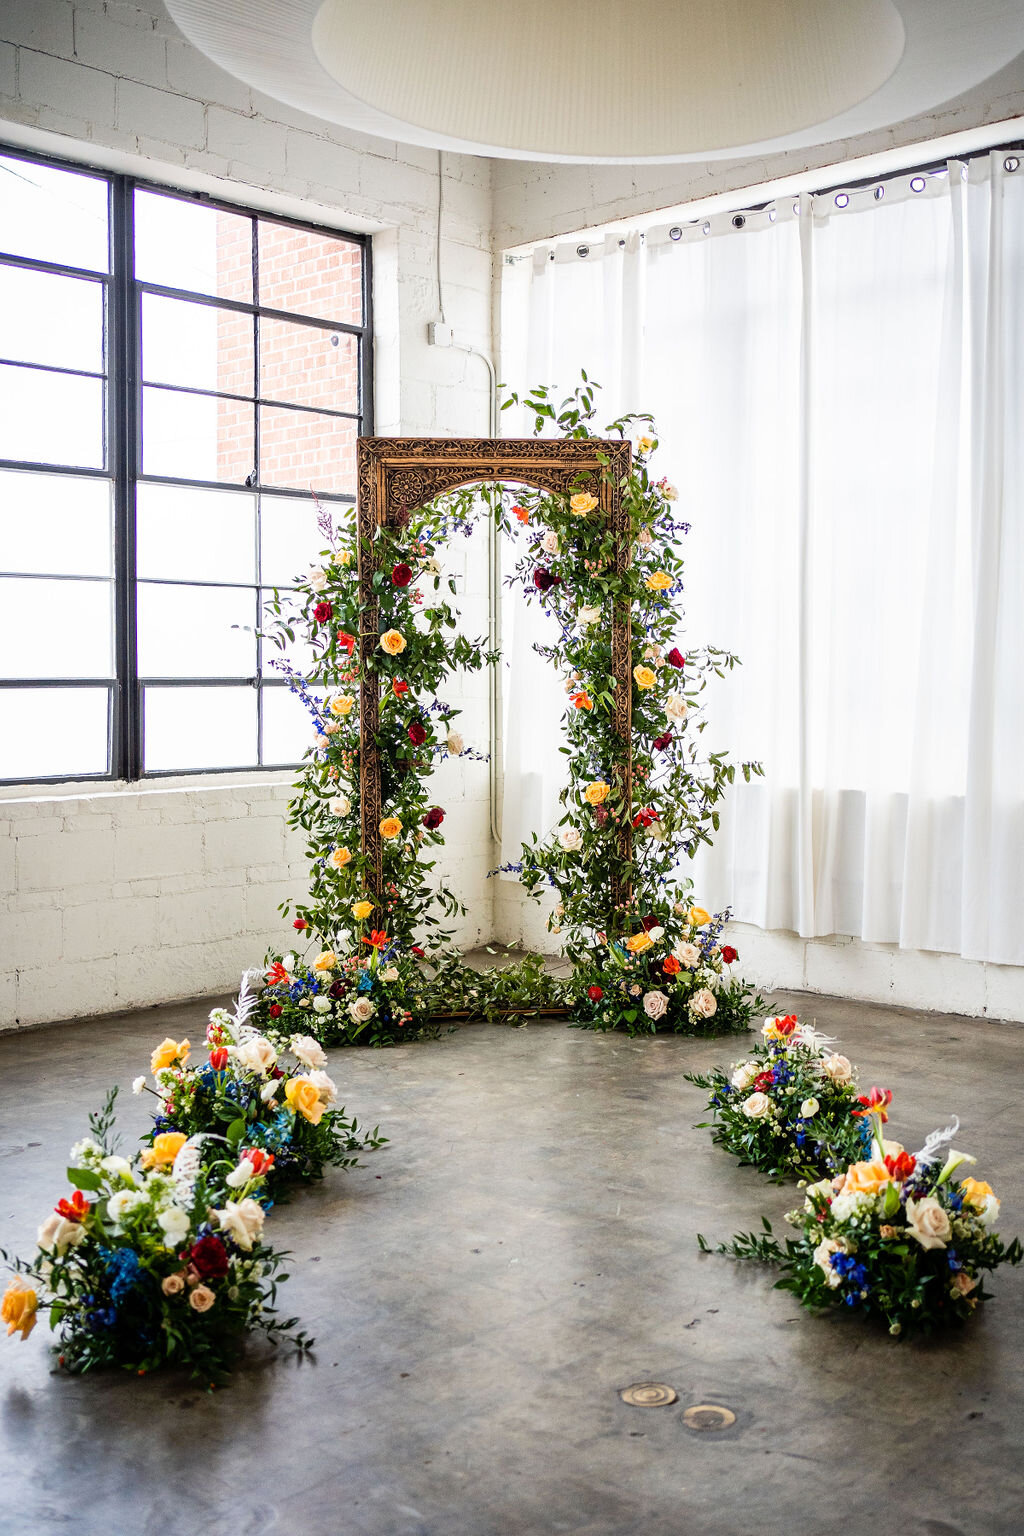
(124, 432)
(258, 495)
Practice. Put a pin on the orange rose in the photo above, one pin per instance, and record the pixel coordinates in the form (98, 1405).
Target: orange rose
(303, 1098)
(362, 909)
(392, 642)
(390, 827)
(18, 1308)
(339, 858)
(167, 1053)
(596, 793)
(639, 942)
(164, 1150)
(866, 1178)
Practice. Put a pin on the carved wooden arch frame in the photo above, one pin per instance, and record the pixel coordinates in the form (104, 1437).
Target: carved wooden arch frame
(397, 474)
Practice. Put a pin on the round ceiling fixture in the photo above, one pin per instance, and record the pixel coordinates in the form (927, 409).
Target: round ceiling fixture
(609, 80)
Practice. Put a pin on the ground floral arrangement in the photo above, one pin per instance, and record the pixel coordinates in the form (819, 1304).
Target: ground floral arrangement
(160, 1258)
(378, 965)
(882, 1232)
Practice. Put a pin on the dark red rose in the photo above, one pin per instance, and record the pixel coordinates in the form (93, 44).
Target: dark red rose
(209, 1258)
(322, 612)
(675, 658)
(299, 924)
(595, 994)
(729, 954)
(661, 742)
(433, 818)
(542, 579)
(417, 952)
(219, 1058)
(336, 989)
(401, 575)
(276, 1010)
(648, 922)
(417, 735)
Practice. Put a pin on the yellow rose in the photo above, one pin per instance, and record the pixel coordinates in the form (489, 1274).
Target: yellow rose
(164, 1150)
(303, 1098)
(638, 943)
(866, 1178)
(658, 581)
(645, 444)
(18, 1308)
(167, 1053)
(341, 704)
(326, 961)
(975, 1191)
(697, 917)
(339, 858)
(362, 909)
(596, 793)
(582, 503)
(392, 642)
(390, 827)
(645, 678)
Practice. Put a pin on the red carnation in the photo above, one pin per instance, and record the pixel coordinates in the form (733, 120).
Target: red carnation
(209, 1258)
(401, 574)
(595, 994)
(219, 1057)
(661, 742)
(433, 818)
(275, 1010)
(322, 612)
(299, 924)
(417, 735)
(542, 579)
(675, 658)
(729, 954)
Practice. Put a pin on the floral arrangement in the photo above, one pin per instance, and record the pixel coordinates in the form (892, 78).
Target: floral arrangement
(648, 981)
(893, 1236)
(790, 1107)
(157, 1260)
(247, 1093)
(374, 996)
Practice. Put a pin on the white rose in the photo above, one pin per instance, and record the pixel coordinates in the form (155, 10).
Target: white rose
(669, 491)
(757, 1106)
(240, 1175)
(242, 1221)
(823, 1258)
(456, 745)
(268, 1093)
(307, 1050)
(655, 1005)
(321, 1004)
(340, 805)
(139, 1084)
(361, 1009)
(703, 1004)
(989, 1211)
(809, 1108)
(317, 578)
(119, 1167)
(325, 1086)
(174, 1224)
(549, 543)
(588, 615)
(256, 1055)
(571, 839)
(391, 974)
(675, 707)
(288, 961)
(687, 955)
(838, 1068)
(744, 1074)
(928, 1222)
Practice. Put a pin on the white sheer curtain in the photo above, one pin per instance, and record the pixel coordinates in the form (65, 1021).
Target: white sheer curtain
(839, 387)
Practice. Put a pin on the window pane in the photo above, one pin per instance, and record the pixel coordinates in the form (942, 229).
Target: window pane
(191, 728)
(307, 450)
(52, 215)
(287, 730)
(55, 524)
(196, 437)
(50, 319)
(51, 418)
(56, 628)
(187, 631)
(52, 733)
(309, 366)
(290, 539)
(298, 655)
(182, 244)
(196, 345)
(310, 274)
(189, 534)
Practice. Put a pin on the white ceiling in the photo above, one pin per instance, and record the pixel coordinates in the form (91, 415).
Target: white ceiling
(609, 80)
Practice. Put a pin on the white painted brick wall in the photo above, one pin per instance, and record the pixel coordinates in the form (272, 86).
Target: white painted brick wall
(116, 897)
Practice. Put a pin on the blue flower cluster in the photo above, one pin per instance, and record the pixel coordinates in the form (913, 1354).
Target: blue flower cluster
(853, 1274)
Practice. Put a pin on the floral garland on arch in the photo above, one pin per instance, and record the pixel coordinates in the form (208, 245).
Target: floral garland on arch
(651, 963)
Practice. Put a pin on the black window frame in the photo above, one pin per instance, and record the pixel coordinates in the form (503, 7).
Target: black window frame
(122, 470)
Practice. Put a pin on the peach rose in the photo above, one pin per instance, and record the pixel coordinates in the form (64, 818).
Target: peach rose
(342, 704)
(390, 827)
(582, 503)
(339, 858)
(838, 1068)
(172, 1285)
(393, 642)
(866, 1178)
(325, 961)
(703, 1004)
(201, 1298)
(928, 1222)
(757, 1106)
(637, 943)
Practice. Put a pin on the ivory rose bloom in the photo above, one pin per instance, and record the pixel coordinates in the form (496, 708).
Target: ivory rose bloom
(256, 1055)
(589, 615)
(325, 1086)
(361, 1009)
(687, 954)
(317, 578)
(838, 1068)
(167, 1053)
(341, 705)
(757, 1106)
(120, 1203)
(645, 677)
(637, 943)
(455, 743)
(307, 1050)
(823, 1258)
(549, 543)
(928, 1222)
(58, 1233)
(582, 503)
(393, 642)
(744, 1074)
(703, 1004)
(18, 1308)
(658, 581)
(164, 1150)
(571, 839)
(676, 707)
(655, 1005)
(174, 1224)
(172, 1285)
(390, 827)
(321, 1005)
(361, 910)
(390, 974)
(340, 805)
(596, 793)
(339, 858)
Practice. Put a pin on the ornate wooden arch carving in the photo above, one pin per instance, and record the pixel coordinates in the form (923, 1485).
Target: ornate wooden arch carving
(397, 474)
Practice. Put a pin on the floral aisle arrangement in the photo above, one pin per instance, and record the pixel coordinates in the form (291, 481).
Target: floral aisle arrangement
(790, 1107)
(155, 1260)
(266, 1092)
(893, 1236)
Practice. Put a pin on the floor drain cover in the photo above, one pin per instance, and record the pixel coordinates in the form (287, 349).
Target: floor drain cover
(648, 1394)
(708, 1416)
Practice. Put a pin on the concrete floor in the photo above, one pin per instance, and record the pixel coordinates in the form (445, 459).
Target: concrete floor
(480, 1291)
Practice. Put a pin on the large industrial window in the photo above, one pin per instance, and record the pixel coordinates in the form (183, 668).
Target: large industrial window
(177, 377)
